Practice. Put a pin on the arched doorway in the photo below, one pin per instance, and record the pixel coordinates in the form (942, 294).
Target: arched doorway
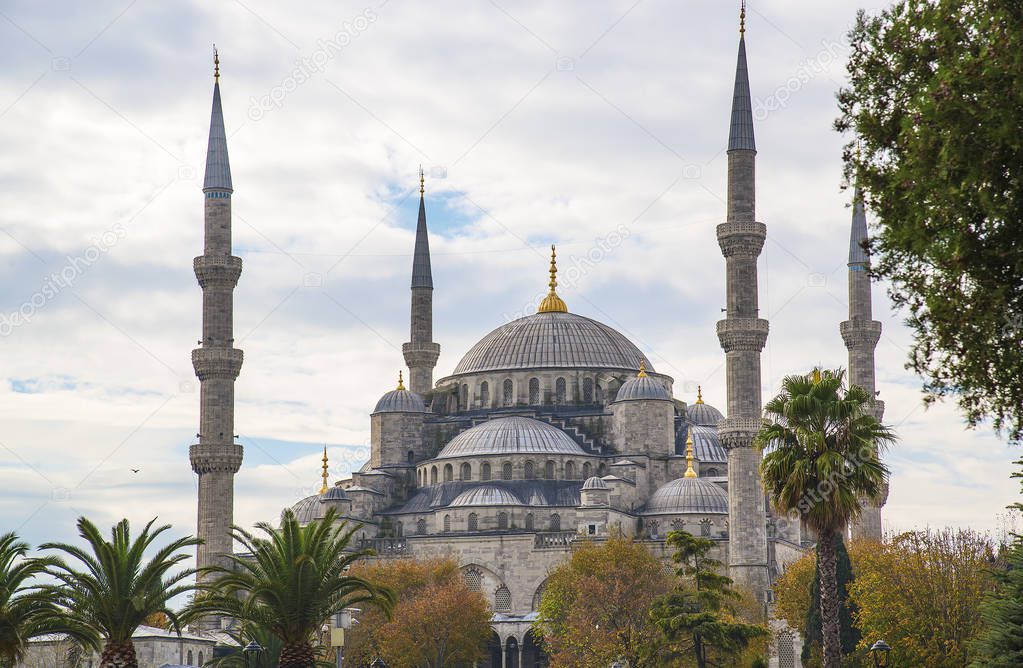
(511, 653)
(533, 655)
(493, 652)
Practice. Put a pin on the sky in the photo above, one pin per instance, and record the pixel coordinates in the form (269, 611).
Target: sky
(598, 126)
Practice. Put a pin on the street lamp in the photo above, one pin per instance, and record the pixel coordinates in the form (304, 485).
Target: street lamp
(880, 651)
(253, 649)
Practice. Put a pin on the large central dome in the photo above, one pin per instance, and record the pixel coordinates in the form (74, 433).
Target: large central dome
(553, 340)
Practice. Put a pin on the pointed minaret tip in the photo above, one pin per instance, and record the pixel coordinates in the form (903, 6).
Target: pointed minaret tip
(858, 257)
(422, 273)
(218, 167)
(740, 135)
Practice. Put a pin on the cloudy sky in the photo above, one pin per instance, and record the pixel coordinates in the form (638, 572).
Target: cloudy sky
(536, 123)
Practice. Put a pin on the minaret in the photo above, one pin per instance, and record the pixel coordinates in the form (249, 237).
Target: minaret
(216, 457)
(861, 333)
(421, 352)
(743, 335)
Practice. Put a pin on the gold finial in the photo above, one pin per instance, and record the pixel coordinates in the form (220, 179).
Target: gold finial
(552, 303)
(699, 394)
(816, 375)
(401, 381)
(323, 488)
(216, 64)
(642, 369)
(742, 19)
(690, 472)
(422, 182)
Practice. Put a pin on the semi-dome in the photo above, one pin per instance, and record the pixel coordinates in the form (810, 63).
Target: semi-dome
(307, 510)
(641, 388)
(552, 339)
(335, 493)
(511, 436)
(486, 495)
(707, 446)
(688, 496)
(400, 400)
(595, 483)
(702, 413)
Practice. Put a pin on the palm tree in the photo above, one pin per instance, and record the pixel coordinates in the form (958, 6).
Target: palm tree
(291, 582)
(823, 445)
(25, 611)
(117, 589)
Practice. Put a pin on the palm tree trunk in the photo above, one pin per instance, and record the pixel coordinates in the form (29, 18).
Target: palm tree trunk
(118, 655)
(297, 655)
(829, 599)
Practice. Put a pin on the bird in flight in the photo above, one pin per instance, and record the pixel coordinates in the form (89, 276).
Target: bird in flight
(135, 470)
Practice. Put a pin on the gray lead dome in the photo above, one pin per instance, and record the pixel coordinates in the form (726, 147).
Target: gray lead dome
(552, 340)
(400, 401)
(703, 414)
(642, 388)
(508, 436)
(688, 495)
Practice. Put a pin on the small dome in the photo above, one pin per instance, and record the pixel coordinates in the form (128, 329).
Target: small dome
(400, 401)
(486, 495)
(688, 496)
(707, 446)
(642, 387)
(307, 510)
(703, 414)
(511, 436)
(595, 483)
(335, 493)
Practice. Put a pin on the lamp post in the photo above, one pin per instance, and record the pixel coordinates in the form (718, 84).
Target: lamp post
(340, 622)
(880, 652)
(252, 651)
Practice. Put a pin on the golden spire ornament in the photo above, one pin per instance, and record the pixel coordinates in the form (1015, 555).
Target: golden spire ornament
(552, 303)
(422, 182)
(401, 381)
(742, 19)
(216, 64)
(323, 488)
(690, 472)
(642, 369)
(699, 394)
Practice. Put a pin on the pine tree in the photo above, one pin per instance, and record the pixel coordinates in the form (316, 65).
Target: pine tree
(849, 634)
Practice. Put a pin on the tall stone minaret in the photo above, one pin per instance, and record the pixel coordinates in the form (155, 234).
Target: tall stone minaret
(743, 335)
(216, 457)
(421, 352)
(861, 333)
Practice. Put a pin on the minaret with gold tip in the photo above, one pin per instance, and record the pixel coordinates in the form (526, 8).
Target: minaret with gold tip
(216, 457)
(421, 352)
(861, 334)
(743, 334)
(690, 471)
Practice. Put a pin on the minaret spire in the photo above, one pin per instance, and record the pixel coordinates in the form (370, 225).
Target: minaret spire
(216, 457)
(323, 487)
(861, 334)
(421, 352)
(743, 334)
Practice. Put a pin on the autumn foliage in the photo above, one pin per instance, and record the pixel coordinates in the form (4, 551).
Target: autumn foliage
(437, 621)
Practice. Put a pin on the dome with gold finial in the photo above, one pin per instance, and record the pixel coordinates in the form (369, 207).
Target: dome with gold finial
(552, 303)
(701, 413)
(400, 400)
(642, 388)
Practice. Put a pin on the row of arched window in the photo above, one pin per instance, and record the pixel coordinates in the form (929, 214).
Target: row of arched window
(502, 595)
(188, 659)
(591, 392)
(503, 523)
(530, 471)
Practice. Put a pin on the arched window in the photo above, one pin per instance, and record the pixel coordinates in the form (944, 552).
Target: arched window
(473, 579)
(712, 472)
(570, 470)
(529, 471)
(560, 391)
(485, 471)
(705, 528)
(399, 529)
(433, 475)
(502, 599)
(549, 471)
(588, 390)
(506, 471)
(474, 522)
(587, 471)
(509, 399)
(502, 520)
(465, 398)
(555, 522)
(411, 456)
(466, 473)
(602, 469)
(529, 521)
(449, 473)
(189, 659)
(419, 478)
(421, 526)
(447, 523)
(786, 650)
(534, 391)
(200, 658)
(485, 394)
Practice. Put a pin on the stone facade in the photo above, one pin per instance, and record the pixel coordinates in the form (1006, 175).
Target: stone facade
(154, 648)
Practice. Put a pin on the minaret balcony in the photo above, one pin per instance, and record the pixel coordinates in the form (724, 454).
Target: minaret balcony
(741, 238)
(421, 354)
(742, 334)
(738, 432)
(858, 334)
(207, 458)
(217, 362)
(222, 270)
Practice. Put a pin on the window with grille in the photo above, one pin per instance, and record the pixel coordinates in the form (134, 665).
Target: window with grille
(466, 472)
(474, 522)
(433, 475)
(534, 391)
(485, 394)
(560, 390)
(421, 526)
(587, 471)
(506, 471)
(529, 522)
(569, 471)
(502, 599)
(449, 473)
(502, 520)
(588, 390)
(555, 522)
(529, 471)
(549, 471)
(786, 651)
(474, 579)
(447, 523)
(507, 390)
(485, 471)
(465, 397)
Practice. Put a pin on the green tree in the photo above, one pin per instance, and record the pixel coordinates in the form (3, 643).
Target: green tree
(935, 101)
(699, 619)
(290, 582)
(116, 589)
(26, 611)
(848, 633)
(823, 457)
